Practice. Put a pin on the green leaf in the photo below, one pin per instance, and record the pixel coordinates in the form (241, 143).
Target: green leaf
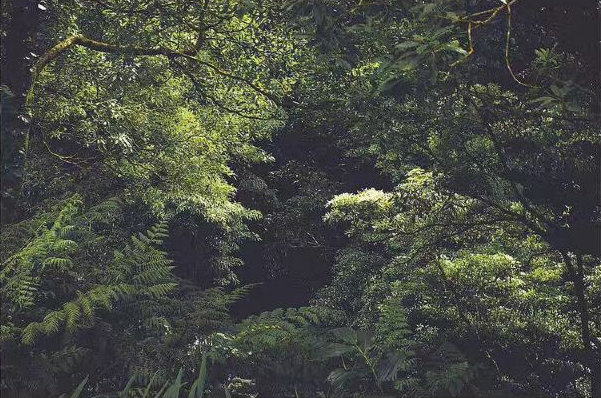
(388, 85)
(79, 388)
(334, 350)
(158, 394)
(130, 383)
(149, 386)
(348, 335)
(341, 377)
(406, 45)
(198, 387)
(428, 8)
(366, 338)
(173, 390)
(558, 91)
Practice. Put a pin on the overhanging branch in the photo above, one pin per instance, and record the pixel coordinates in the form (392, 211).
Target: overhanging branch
(190, 53)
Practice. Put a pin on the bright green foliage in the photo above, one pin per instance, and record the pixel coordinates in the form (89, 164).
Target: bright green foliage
(491, 285)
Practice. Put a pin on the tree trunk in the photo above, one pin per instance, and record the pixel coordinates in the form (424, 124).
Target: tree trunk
(593, 362)
(594, 355)
(16, 78)
(596, 378)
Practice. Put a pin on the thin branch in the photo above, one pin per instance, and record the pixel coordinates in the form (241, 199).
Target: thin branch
(474, 24)
(507, 44)
(218, 103)
(267, 95)
(471, 45)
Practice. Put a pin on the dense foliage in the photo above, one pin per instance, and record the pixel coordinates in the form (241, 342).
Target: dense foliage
(308, 198)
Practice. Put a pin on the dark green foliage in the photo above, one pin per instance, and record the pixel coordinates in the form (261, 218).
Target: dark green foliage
(283, 344)
(52, 297)
(354, 198)
(171, 388)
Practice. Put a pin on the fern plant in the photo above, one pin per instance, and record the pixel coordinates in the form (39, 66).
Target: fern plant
(55, 289)
(47, 254)
(277, 349)
(141, 276)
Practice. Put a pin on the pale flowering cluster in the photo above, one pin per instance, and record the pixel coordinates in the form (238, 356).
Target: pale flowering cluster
(217, 344)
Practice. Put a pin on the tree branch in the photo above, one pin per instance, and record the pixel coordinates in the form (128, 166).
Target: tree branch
(190, 53)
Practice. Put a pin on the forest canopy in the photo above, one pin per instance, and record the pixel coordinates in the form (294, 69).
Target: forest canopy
(300, 198)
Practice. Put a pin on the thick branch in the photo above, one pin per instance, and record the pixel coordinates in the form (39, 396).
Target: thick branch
(79, 40)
